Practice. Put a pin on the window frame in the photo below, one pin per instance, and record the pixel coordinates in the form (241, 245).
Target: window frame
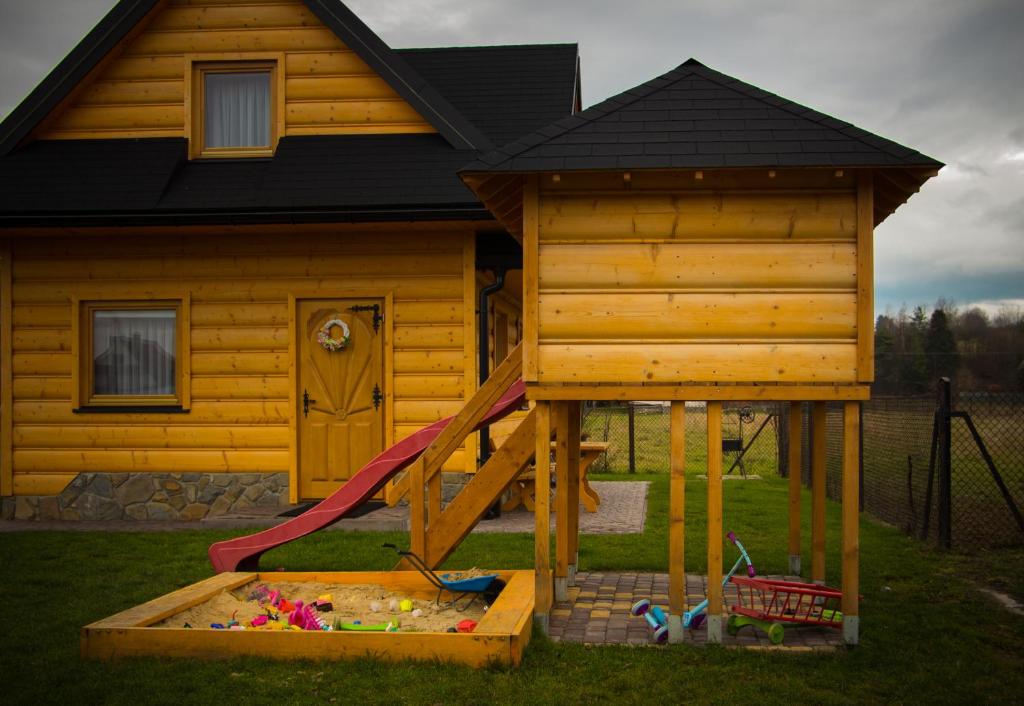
(84, 398)
(196, 68)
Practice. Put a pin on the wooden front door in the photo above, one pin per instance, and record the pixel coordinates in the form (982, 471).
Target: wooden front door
(340, 394)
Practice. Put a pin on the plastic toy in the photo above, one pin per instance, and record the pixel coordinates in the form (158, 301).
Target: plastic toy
(259, 621)
(695, 618)
(488, 586)
(768, 604)
(417, 613)
(654, 616)
(466, 626)
(375, 606)
(406, 606)
(286, 606)
(325, 603)
(217, 626)
(357, 627)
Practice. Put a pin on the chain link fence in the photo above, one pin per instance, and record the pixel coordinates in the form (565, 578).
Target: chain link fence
(638, 434)
(947, 470)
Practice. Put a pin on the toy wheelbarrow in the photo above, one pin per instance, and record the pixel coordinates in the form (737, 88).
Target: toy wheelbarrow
(487, 587)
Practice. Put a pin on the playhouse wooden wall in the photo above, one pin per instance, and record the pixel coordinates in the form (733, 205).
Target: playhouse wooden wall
(663, 277)
(141, 91)
(239, 286)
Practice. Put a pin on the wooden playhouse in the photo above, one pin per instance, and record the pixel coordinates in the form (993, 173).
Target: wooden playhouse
(692, 239)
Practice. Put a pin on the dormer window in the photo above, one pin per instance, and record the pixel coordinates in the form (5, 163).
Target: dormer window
(234, 109)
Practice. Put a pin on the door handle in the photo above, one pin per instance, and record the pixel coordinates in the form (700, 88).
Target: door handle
(305, 403)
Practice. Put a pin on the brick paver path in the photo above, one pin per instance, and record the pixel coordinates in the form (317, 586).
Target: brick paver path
(597, 612)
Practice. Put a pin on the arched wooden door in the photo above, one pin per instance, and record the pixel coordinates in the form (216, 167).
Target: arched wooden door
(340, 393)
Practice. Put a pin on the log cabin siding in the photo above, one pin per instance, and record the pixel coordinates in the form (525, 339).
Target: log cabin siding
(329, 90)
(667, 282)
(239, 287)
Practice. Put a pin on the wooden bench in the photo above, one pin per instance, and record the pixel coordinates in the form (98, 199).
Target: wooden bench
(523, 488)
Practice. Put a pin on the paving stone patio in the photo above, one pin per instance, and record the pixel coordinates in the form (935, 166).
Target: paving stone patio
(597, 613)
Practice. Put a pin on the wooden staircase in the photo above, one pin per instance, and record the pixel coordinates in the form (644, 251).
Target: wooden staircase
(436, 534)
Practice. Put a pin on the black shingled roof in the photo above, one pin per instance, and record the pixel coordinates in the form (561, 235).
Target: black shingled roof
(506, 91)
(113, 181)
(695, 117)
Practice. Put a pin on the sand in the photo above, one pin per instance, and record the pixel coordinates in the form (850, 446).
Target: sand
(351, 602)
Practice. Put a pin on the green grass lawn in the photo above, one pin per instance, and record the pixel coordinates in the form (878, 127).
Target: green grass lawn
(927, 633)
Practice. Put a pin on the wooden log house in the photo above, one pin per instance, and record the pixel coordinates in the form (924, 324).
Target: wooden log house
(204, 195)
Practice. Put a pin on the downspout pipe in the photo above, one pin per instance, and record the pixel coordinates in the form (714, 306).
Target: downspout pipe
(483, 325)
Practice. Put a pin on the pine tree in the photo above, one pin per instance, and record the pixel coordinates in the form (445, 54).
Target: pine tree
(940, 347)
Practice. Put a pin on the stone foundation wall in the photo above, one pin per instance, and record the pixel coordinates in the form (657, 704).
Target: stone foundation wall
(152, 496)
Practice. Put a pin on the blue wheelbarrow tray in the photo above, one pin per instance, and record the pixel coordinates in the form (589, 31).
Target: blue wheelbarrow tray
(477, 584)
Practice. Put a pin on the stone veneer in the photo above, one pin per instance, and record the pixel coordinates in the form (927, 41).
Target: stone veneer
(152, 496)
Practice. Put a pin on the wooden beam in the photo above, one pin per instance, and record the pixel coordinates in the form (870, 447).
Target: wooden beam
(818, 431)
(573, 488)
(531, 278)
(676, 527)
(698, 393)
(464, 422)
(562, 561)
(714, 431)
(542, 517)
(795, 438)
(865, 278)
(851, 523)
(465, 511)
(6, 372)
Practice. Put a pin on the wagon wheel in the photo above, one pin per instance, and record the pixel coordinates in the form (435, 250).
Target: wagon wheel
(491, 592)
(775, 633)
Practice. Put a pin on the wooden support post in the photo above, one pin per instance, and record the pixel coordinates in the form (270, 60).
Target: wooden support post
(676, 523)
(561, 418)
(714, 620)
(417, 509)
(6, 372)
(851, 523)
(573, 488)
(795, 432)
(433, 499)
(542, 517)
(818, 429)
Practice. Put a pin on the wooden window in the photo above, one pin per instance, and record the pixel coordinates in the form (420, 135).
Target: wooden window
(236, 108)
(132, 354)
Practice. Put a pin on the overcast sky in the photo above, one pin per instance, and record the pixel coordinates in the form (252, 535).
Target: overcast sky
(943, 76)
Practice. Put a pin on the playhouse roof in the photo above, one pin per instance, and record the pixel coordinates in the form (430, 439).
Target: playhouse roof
(696, 117)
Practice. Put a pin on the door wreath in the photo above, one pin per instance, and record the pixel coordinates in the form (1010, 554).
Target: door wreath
(333, 344)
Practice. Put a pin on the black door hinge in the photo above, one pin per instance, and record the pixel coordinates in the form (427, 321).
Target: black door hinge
(378, 396)
(378, 317)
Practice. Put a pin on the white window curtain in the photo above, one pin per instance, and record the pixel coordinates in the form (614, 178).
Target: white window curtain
(134, 352)
(237, 109)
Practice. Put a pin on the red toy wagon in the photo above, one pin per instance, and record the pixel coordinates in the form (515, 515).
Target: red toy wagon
(768, 604)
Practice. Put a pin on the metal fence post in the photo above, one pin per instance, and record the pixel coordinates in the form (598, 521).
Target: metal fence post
(632, 437)
(945, 464)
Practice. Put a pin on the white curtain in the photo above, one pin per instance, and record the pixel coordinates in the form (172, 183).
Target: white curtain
(237, 109)
(133, 352)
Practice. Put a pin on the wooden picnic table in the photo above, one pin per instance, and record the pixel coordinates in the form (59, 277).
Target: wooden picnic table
(523, 488)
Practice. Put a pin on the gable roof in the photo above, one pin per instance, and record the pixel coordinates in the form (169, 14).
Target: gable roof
(696, 117)
(117, 24)
(507, 91)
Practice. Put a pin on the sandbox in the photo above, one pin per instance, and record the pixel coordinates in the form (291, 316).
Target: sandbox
(158, 626)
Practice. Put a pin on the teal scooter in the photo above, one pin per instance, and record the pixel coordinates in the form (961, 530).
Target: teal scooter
(695, 618)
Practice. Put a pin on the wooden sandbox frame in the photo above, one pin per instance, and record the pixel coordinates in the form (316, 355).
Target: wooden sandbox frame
(500, 637)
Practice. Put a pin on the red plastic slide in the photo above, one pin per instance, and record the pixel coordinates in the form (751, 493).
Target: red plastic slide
(243, 553)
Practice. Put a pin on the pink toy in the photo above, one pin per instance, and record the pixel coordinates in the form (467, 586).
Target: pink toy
(274, 598)
(259, 621)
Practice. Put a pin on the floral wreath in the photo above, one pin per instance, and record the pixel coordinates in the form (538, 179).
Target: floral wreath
(333, 344)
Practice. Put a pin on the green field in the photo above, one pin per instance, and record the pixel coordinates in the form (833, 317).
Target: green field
(928, 634)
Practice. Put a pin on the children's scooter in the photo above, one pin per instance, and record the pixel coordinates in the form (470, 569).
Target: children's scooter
(654, 616)
(695, 618)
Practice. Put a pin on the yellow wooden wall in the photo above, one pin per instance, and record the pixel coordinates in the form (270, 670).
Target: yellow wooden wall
(666, 278)
(239, 287)
(329, 89)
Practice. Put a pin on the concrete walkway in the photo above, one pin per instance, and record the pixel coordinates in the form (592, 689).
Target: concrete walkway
(623, 510)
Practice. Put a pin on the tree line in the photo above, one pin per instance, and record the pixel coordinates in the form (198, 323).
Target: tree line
(913, 349)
